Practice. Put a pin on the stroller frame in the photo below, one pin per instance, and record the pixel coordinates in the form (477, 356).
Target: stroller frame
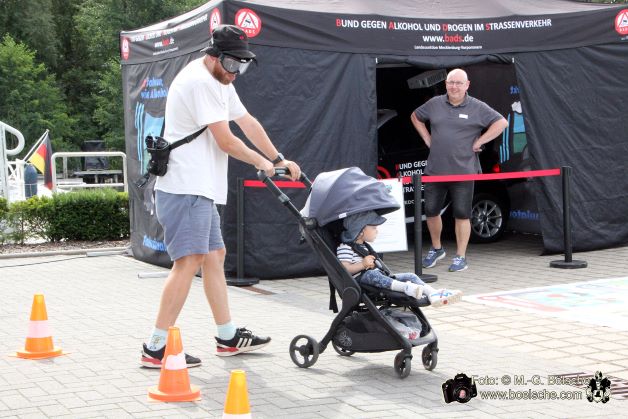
(356, 298)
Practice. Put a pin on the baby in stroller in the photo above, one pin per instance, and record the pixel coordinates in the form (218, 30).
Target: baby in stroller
(341, 207)
(361, 261)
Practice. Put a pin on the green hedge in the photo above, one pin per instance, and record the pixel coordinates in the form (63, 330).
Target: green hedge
(96, 214)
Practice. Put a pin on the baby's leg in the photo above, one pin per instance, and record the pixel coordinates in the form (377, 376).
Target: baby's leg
(409, 277)
(376, 278)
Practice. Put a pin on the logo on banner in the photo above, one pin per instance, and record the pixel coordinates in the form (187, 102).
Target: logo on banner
(621, 22)
(164, 43)
(248, 20)
(125, 48)
(214, 20)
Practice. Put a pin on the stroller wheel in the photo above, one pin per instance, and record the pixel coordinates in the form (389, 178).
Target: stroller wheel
(403, 364)
(304, 355)
(429, 356)
(342, 351)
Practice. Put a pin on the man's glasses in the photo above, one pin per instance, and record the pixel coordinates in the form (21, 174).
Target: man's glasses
(455, 83)
(234, 65)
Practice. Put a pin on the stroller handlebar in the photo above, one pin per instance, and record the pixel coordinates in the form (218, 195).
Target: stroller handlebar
(283, 171)
(283, 198)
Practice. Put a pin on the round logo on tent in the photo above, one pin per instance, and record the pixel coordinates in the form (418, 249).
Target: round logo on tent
(125, 48)
(248, 20)
(621, 22)
(214, 20)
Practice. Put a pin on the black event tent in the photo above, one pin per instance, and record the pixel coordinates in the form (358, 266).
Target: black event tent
(314, 90)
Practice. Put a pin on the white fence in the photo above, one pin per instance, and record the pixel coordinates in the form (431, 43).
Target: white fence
(68, 185)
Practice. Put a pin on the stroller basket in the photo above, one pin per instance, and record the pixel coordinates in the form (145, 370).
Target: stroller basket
(366, 322)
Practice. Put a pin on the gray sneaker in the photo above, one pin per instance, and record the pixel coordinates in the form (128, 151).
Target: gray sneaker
(459, 264)
(433, 256)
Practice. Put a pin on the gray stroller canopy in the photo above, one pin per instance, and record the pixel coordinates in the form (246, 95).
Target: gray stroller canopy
(340, 193)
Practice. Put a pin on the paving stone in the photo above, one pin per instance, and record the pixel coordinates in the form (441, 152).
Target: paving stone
(99, 302)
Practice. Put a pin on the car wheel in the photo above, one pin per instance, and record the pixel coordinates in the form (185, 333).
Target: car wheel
(488, 218)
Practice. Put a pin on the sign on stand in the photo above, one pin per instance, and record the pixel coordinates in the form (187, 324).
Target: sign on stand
(391, 235)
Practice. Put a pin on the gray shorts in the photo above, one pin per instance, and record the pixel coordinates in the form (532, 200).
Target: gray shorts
(460, 193)
(191, 224)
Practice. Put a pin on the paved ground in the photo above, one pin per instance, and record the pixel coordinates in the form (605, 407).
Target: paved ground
(100, 311)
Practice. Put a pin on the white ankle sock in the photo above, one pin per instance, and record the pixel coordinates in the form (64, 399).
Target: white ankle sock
(398, 286)
(157, 339)
(408, 288)
(226, 331)
(428, 290)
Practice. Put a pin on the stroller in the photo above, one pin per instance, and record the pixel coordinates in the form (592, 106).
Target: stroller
(369, 318)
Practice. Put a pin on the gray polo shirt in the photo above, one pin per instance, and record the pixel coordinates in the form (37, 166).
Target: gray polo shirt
(453, 130)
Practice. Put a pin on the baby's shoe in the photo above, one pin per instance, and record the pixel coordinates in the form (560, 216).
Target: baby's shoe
(444, 297)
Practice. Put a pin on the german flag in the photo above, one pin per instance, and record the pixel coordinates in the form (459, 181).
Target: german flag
(41, 159)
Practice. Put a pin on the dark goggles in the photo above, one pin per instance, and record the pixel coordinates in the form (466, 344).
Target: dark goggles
(234, 65)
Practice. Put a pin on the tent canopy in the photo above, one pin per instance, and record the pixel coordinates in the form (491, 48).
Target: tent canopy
(315, 93)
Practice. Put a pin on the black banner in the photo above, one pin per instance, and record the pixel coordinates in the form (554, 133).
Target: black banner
(145, 91)
(319, 29)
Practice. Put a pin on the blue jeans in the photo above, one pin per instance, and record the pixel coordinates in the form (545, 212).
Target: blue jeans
(376, 278)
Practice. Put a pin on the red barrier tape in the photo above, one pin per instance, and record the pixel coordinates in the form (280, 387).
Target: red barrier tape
(488, 176)
(427, 179)
(279, 183)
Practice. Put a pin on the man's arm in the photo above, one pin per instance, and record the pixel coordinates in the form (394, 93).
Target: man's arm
(257, 135)
(422, 130)
(234, 147)
(495, 129)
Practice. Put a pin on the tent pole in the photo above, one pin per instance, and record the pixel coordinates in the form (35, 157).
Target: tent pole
(240, 280)
(568, 263)
(418, 231)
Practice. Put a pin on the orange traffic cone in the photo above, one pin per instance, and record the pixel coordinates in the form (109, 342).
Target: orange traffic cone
(237, 401)
(174, 382)
(39, 338)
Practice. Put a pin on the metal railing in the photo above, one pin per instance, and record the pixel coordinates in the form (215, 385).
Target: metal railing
(65, 154)
(5, 173)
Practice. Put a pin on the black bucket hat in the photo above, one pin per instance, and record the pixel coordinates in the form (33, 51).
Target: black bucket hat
(355, 223)
(229, 40)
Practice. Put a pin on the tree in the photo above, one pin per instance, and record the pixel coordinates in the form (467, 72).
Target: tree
(99, 23)
(109, 113)
(31, 22)
(31, 100)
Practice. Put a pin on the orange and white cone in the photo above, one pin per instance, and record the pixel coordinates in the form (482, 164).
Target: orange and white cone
(174, 381)
(39, 337)
(237, 400)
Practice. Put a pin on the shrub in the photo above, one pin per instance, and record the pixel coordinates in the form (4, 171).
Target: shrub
(99, 214)
(30, 219)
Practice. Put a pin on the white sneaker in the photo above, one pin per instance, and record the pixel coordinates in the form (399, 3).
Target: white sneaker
(444, 297)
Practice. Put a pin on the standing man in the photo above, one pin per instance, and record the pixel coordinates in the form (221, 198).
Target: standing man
(455, 138)
(202, 95)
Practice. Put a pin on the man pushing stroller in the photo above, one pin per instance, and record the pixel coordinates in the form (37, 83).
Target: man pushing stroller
(360, 260)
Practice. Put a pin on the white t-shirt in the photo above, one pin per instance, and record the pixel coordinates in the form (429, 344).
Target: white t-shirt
(196, 99)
